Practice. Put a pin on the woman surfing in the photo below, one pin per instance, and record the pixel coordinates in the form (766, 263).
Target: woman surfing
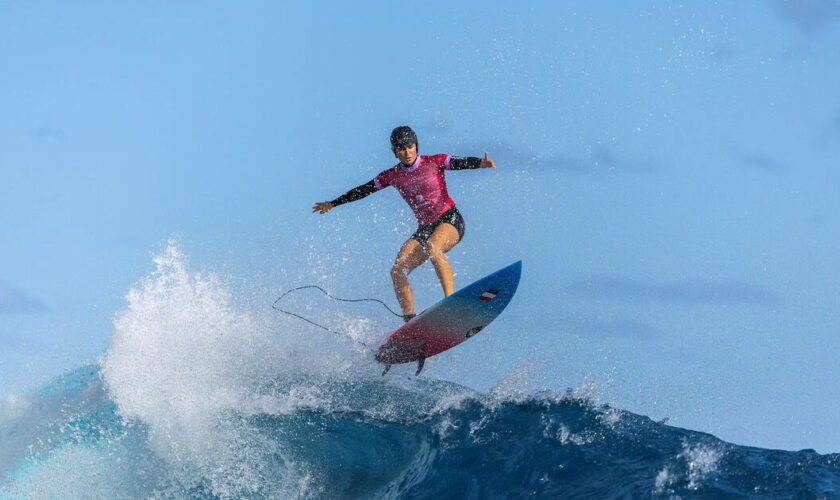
(420, 181)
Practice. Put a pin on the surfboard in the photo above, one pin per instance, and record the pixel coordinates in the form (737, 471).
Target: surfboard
(450, 321)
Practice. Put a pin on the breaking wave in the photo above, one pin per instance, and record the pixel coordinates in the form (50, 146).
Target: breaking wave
(196, 398)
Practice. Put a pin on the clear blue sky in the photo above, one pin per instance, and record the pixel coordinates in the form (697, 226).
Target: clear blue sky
(668, 174)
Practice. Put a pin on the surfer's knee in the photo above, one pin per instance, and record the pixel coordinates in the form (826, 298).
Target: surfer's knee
(434, 251)
(399, 271)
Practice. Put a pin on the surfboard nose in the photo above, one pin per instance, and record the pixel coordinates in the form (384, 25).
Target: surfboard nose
(516, 269)
(512, 274)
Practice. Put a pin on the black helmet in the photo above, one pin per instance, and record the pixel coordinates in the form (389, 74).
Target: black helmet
(402, 136)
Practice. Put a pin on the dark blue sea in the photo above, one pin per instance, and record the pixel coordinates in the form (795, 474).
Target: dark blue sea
(390, 438)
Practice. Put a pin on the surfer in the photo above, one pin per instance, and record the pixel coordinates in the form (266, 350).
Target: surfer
(420, 181)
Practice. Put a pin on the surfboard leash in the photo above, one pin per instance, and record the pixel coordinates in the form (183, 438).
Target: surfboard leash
(339, 299)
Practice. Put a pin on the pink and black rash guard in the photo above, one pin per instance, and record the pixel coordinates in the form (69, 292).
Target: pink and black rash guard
(422, 185)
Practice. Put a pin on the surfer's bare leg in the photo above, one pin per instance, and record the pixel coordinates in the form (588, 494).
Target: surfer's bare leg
(442, 240)
(410, 256)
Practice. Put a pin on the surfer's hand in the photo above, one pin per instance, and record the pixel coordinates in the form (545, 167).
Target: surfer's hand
(486, 162)
(322, 207)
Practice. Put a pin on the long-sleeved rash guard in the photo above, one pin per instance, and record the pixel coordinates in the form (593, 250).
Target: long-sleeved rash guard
(422, 185)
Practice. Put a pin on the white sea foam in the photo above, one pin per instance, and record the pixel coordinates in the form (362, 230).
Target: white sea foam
(454, 399)
(183, 358)
(610, 417)
(554, 429)
(692, 465)
(664, 479)
(701, 460)
(180, 352)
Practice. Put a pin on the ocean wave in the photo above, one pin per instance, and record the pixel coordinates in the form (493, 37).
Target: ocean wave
(196, 397)
(426, 439)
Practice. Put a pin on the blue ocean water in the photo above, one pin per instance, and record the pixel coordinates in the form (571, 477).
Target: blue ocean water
(378, 439)
(197, 396)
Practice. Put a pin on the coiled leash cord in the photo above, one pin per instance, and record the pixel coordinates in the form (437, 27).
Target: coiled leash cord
(339, 299)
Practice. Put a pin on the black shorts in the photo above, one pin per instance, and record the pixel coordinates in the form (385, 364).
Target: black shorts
(452, 216)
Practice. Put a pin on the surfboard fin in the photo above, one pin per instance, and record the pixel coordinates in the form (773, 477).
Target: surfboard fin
(420, 364)
(387, 367)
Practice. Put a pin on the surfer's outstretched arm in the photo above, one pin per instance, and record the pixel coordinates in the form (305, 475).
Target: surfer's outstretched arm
(357, 193)
(470, 162)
